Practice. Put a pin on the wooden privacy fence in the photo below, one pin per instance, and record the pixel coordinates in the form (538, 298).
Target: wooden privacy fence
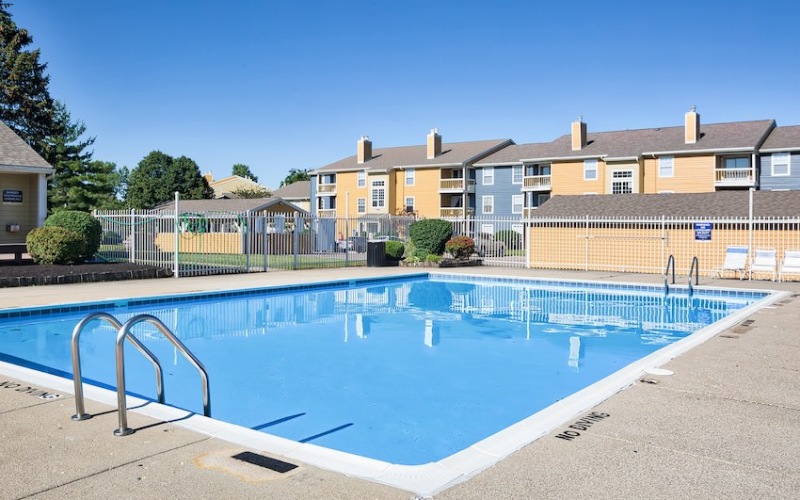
(643, 245)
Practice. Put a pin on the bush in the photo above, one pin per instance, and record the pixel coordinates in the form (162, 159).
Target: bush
(460, 247)
(82, 223)
(430, 235)
(55, 245)
(511, 238)
(395, 249)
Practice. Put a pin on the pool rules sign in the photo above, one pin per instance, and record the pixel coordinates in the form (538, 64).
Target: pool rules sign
(702, 231)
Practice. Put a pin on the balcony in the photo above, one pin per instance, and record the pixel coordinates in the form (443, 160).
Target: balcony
(456, 185)
(455, 213)
(326, 189)
(536, 183)
(732, 177)
(326, 212)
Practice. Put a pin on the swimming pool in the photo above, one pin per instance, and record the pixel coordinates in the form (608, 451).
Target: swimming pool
(404, 371)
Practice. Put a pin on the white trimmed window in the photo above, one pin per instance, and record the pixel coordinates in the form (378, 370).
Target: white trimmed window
(516, 174)
(362, 205)
(378, 194)
(487, 202)
(666, 166)
(517, 201)
(488, 176)
(410, 177)
(409, 204)
(362, 179)
(590, 170)
(622, 182)
(781, 164)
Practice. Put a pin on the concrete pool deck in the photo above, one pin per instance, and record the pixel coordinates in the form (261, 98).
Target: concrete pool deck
(721, 426)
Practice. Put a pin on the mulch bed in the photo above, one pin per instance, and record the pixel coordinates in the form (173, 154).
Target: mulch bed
(28, 273)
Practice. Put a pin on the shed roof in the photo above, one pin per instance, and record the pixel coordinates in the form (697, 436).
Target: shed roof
(233, 205)
(17, 155)
(300, 190)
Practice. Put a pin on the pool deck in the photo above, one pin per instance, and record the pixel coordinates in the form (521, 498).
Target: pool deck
(724, 425)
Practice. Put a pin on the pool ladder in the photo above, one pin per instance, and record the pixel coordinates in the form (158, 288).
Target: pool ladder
(694, 270)
(123, 333)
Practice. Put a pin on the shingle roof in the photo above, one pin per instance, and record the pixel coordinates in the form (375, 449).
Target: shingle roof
(743, 136)
(14, 152)
(453, 153)
(783, 139)
(294, 191)
(231, 205)
(716, 204)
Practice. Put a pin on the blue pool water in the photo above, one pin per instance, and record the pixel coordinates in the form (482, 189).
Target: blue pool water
(407, 370)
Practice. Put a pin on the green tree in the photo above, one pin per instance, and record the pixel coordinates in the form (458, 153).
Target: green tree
(25, 102)
(243, 170)
(295, 175)
(254, 192)
(158, 176)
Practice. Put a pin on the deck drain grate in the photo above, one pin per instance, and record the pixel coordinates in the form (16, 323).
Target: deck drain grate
(266, 462)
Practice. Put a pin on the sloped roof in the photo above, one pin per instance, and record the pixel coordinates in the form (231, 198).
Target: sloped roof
(782, 139)
(384, 159)
(697, 205)
(742, 136)
(14, 152)
(300, 190)
(233, 205)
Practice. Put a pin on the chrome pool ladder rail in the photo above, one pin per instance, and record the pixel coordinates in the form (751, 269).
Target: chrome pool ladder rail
(670, 263)
(77, 377)
(694, 270)
(123, 333)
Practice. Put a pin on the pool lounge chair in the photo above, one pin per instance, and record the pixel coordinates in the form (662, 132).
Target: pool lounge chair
(735, 262)
(790, 264)
(765, 261)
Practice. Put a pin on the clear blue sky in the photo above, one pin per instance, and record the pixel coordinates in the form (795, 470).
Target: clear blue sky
(294, 84)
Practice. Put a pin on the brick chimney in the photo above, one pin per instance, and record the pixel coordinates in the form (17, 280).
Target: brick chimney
(692, 129)
(578, 134)
(364, 149)
(434, 144)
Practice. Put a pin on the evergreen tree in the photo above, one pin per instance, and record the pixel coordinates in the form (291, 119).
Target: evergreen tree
(25, 102)
(67, 153)
(158, 176)
(243, 170)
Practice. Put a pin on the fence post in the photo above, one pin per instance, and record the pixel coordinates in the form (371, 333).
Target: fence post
(246, 237)
(586, 246)
(175, 271)
(132, 241)
(346, 240)
(296, 239)
(265, 240)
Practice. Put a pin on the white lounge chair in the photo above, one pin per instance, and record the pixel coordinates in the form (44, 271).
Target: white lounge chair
(764, 261)
(790, 264)
(735, 262)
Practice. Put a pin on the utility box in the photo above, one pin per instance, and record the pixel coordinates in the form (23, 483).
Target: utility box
(376, 253)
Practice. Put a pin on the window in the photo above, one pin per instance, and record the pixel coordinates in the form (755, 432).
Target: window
(409, 204)
(736, 162)
(666, 166)
(488, 176)
(516, 174)
(378, 194)
(410, 177)
(362, 179)
(516, 204)
(488, 204)
(589, 170)
(362, 205)
(534, 200)
(622, 182)
(781, 164)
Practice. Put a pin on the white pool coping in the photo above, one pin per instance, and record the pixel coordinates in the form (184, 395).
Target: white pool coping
(431, 478)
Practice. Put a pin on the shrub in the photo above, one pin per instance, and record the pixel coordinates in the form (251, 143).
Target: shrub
(395, 249)
(460, 247)
(511, 238)
(82, 223)
(430, 235)
(55, 245)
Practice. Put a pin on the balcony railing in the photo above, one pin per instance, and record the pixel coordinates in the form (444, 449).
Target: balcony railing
(536, 183)
(326, 189)
(735, 177)
(451, 212)
(456, 185)
(327, 212)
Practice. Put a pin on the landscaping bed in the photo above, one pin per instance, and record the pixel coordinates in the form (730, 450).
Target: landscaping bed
(14, 274)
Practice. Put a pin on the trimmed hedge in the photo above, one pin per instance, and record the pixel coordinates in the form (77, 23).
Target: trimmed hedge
(82, 223)
(429, 236)
(394, 249)
(460, 247)
(55, 245)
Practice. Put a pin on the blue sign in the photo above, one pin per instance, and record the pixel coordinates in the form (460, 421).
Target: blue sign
(702, 231)
(12, 196)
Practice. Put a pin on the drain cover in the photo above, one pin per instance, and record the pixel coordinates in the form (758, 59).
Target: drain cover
(266, 462)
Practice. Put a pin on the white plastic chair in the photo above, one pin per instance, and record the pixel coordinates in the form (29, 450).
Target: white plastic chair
(790, 264)
(764, 261)
(735, 261)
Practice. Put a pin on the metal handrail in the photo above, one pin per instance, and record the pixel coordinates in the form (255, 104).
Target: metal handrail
(124, 332)
(695, 266)
(77, 378)
(670, 261)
